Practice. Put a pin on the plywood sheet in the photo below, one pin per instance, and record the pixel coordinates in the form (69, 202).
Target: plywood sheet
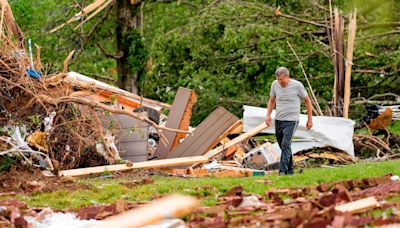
(206, 134)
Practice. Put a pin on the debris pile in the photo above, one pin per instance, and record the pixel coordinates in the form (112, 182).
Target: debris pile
(47, 120)
(345, 203)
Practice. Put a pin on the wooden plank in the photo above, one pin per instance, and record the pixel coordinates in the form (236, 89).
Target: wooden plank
(170, 207)
(174, 121)
(240, 138)
(226, 133)
(358, 205)
(228, 152)
(185, 121)
(108, 90)
(205, 135)
(137, 165)
(349, 62)
(237, 130)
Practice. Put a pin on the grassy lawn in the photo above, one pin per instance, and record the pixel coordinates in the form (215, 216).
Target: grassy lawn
(208, 189)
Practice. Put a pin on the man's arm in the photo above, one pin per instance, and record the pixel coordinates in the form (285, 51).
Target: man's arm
(271, 105)
(309, 112)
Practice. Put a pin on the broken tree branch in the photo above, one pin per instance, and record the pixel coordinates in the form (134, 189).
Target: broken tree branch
(109, 55)
(308, 82)
(66, 61)
(94, 104)
(349, 62)
(278, 13)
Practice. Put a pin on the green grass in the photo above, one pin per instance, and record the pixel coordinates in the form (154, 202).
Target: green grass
(394, 127)
(208, 189)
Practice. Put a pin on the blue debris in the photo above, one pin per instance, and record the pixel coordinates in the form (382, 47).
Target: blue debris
(34, 73)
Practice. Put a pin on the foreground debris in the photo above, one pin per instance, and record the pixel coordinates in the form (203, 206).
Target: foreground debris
(119, 214)
(339, 204)
(370, 201)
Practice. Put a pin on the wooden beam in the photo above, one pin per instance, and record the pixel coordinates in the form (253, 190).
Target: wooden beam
(349, 62)
(228, 152)
(238, 129)
(137, 165)
(170, 207)
(358, 205)
(240, 138)
(101, 87)
(185, 120)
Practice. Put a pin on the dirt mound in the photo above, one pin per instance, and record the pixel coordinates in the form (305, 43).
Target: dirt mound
(28, 179)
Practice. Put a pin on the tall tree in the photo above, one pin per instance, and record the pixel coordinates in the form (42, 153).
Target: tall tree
(128, 18)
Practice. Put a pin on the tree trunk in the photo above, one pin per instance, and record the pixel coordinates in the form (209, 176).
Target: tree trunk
(128, 17)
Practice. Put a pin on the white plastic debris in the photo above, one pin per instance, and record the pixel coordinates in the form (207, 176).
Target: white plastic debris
(48, 121)
(62, 220)
(395, 178)
(212, 165)
(250, 201)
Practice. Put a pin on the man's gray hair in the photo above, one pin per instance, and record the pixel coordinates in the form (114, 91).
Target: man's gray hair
(282, 71)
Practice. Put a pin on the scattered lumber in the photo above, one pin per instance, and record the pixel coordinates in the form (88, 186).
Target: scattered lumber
(224, 137)
(240, 172)
(166, 208)
(238, 129)
(358, 205)
(240, 138)
(171, 162)
(230, 151)
(137, 165)
(108, 91)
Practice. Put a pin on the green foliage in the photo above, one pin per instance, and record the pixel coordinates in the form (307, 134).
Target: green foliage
(37, 17)
(394, 127)
(6, 162)
(137, 54)
(227, 52)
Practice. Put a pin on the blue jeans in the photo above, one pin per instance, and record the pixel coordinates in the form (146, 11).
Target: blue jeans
(284, 131)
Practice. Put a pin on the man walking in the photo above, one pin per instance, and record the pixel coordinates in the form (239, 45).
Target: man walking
(287, 93)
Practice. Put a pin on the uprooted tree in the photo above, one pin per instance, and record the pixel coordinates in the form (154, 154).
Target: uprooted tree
(44, 121)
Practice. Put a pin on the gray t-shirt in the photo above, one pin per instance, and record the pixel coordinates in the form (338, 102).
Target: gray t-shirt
(288, 99)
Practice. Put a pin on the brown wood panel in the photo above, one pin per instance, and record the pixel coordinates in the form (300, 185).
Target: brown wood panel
(174, 120)
(205, 134)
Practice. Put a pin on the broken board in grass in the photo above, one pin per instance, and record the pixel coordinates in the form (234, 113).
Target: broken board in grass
(137, 165)
(206, 135)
